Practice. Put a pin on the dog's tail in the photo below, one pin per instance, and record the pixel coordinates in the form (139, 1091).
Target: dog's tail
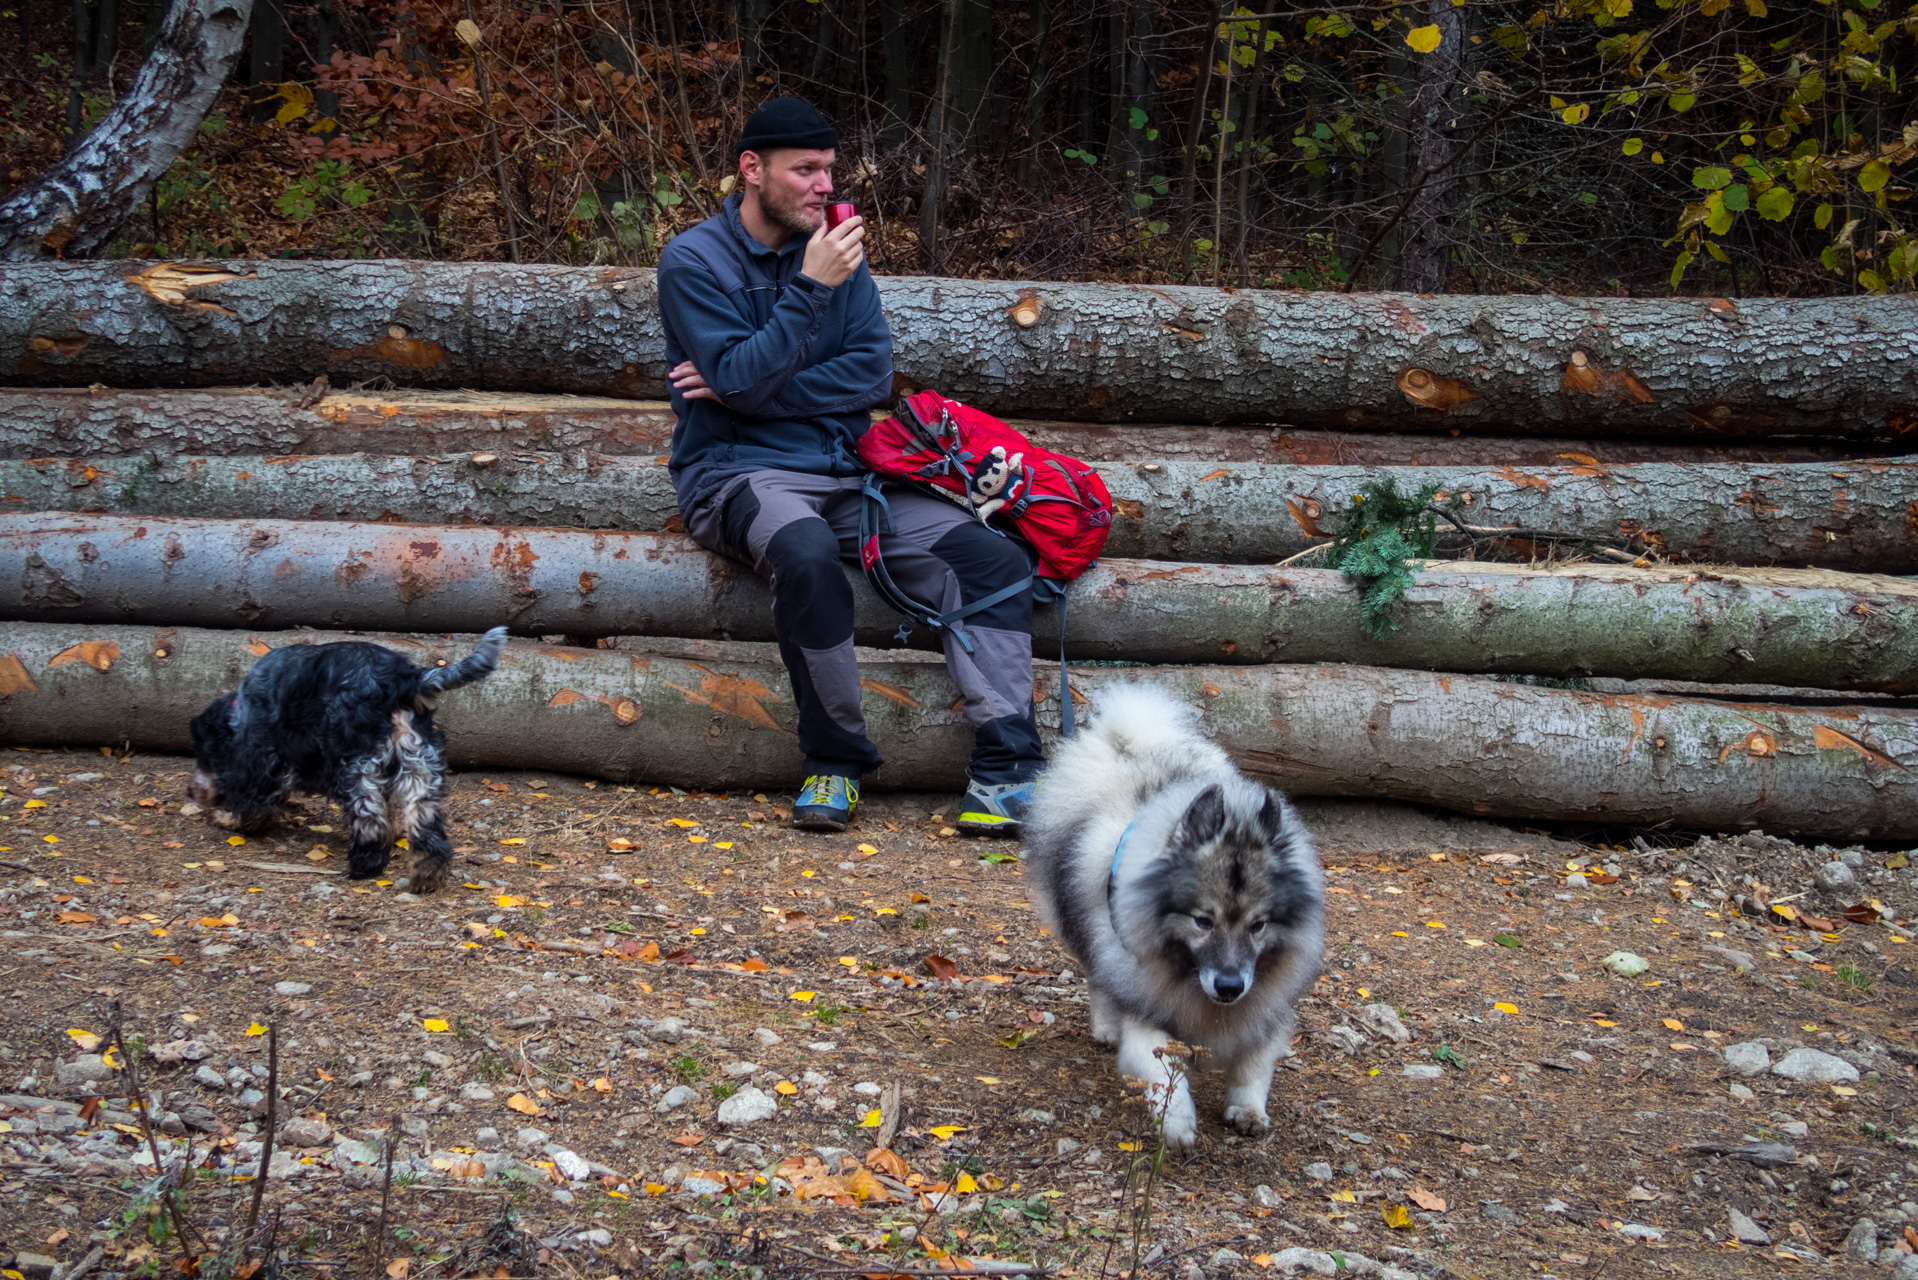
(1136, 718)
(471, 669)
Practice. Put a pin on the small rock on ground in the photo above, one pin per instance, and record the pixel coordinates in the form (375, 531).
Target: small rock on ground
(748, 1106)
(1749, 1058)
(1811, 1065)
(1862, 1242)
(1383, 1020)
(1744, 1230)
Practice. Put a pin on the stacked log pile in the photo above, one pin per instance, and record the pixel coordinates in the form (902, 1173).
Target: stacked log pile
(1743, 472)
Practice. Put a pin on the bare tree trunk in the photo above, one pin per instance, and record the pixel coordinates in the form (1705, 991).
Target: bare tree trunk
(267, 65)
(1706, 369)
(1038, 83)
(1425, 250)
(1855, 518)
(892, 28)
(76, 208)
(935, 190)
(720, 721)
(1797, 627)
(83, 23)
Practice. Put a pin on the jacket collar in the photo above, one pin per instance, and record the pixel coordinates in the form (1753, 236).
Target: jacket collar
(734, 224)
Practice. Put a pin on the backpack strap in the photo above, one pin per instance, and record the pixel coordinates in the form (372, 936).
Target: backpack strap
(875, 518)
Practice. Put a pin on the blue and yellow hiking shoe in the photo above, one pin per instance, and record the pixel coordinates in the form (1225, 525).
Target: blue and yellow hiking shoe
(825, 803)
(996, 809)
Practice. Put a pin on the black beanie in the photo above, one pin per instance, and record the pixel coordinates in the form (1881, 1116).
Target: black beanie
(787, 122)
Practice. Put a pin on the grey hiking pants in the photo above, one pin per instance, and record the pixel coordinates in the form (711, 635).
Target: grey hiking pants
(799, 531)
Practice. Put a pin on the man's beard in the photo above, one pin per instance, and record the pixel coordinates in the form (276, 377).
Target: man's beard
(787, 212)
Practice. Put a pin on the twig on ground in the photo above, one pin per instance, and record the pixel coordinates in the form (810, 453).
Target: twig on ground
(386, 1197)
(266, 1141)
(175, 1196)
(84, 1265)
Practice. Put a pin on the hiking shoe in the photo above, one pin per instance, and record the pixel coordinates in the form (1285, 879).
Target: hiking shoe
(996, 809)
(825, 803)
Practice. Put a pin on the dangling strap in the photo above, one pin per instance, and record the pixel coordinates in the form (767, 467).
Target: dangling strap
(1051, 589)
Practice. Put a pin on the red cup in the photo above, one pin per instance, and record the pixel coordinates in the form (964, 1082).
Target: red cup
(839, 212)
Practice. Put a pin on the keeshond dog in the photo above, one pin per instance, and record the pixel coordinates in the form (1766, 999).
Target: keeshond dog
(1190, 894)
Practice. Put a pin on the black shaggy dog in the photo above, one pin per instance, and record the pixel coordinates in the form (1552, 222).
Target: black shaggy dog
(352, 721)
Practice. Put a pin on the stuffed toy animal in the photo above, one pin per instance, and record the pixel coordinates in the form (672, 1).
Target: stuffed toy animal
(993, 480)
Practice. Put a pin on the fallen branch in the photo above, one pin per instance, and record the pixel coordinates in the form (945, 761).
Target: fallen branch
(1797, 627)
(1469, 744)
(1709, 369)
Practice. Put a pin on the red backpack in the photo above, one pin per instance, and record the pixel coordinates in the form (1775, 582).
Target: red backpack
(1057, 507)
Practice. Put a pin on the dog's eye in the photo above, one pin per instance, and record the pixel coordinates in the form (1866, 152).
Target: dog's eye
(1204, 922)
(1258, 926)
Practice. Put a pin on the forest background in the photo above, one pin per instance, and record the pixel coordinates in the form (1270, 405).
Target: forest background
(1721, 147)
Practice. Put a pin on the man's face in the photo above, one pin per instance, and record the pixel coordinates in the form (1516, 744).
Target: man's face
(793, 185)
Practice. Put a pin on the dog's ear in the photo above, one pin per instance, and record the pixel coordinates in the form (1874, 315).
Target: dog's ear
(1204, 818)
(1272, 819)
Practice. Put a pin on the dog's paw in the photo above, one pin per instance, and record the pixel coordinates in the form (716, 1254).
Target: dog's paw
(1250, 1121)
(426, 879)
(1181, 1124)
(225, 818)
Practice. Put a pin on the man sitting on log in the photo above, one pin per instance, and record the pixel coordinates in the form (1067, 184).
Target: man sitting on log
(779, 349)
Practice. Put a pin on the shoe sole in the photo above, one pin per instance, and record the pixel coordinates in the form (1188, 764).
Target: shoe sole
(831, 826)
(987, 824)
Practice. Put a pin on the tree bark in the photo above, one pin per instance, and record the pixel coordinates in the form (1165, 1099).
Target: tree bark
(81, 422)
(1856, 518)
(1472, 745)
(1805, 628)
(898, 70)
(1425, 248)
(1702, 369)
(77, 207)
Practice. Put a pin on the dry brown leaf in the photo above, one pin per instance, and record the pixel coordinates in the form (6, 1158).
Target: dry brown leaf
(1426, 1200)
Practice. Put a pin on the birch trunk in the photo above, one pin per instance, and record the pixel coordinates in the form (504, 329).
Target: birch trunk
(75, 422)
(1857, 516)
(77, 207)
(1711, 370)
(1472, 745)
(1805, 628)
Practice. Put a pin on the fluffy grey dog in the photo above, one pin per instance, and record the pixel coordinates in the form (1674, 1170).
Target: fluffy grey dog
(1191, 895)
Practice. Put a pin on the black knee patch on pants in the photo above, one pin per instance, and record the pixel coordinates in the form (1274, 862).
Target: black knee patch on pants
(812, 610)
(985, 562)
(1007, 750)
(812, 600)
(736, 521)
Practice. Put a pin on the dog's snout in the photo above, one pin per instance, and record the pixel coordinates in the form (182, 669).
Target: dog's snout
(202, 787)
(1227, 987)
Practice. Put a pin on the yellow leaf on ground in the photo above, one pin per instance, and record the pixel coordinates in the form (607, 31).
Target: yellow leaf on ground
(256, 1030)
(85, 1039)
(602, 1085)
(1262, 1260)
(1673, 1024)
(436, 1024)
(1424, 39)
(1343, 1197)
(236, 840)
(1506, 1008)
(785, 1088)
(988, 1079)
(507, 900)
(682, 822)
(944, 1132)
(1396, 1216)
(872, 1120)
(965, 1186)
(524, 1105)
(805, 997)
(867, 849)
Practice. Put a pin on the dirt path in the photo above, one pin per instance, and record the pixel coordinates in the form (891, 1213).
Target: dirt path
(723, 951)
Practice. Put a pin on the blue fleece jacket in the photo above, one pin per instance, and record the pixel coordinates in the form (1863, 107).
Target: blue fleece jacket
(796, 364)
